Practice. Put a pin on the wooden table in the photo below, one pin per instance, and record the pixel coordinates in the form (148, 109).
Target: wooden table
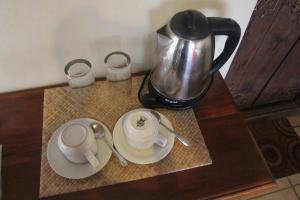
(237, 168)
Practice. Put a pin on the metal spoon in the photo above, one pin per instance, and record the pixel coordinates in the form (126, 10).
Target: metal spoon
(183, 140)
(100, 134)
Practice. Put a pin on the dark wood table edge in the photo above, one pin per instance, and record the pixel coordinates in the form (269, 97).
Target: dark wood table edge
(267, 186)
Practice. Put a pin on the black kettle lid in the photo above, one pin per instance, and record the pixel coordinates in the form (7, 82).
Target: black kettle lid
(190, 25)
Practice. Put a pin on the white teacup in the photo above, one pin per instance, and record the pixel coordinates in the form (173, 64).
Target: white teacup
(141, 129)
(77, 142)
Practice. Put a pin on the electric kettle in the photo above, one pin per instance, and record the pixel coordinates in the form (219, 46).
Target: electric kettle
(184, 66)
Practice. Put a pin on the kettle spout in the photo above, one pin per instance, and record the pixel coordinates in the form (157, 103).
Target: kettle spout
(162, 31)
(163, 38)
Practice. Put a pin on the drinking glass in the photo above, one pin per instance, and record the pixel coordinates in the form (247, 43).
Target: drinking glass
(117, 66)
(79, 73)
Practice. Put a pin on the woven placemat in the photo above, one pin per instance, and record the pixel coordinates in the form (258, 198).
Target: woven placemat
(107, 102)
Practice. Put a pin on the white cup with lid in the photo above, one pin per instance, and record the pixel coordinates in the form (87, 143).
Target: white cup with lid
(141, 129)
(78, 143)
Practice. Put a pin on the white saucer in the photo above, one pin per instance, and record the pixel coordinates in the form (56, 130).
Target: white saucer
(67, 169)
(143, 156)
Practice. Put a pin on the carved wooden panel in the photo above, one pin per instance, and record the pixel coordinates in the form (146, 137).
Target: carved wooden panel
(297, 99)
(272, 31)
(285, 84)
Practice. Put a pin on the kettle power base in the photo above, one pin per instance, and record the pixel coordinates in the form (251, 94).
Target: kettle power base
(150, 98)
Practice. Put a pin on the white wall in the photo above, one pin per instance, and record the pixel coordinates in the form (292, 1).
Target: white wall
(38, 37)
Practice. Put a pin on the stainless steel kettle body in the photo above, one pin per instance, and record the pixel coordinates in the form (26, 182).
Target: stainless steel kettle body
(185, 51)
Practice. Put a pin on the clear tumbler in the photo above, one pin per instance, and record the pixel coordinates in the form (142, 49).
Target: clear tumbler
(117, 66)
(79, 73)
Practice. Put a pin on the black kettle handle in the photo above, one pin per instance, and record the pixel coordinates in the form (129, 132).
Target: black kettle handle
(229, 27)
